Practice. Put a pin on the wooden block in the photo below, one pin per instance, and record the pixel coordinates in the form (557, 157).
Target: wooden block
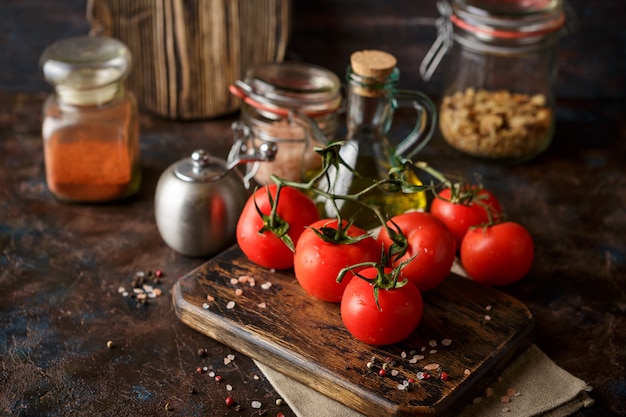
(186, 54)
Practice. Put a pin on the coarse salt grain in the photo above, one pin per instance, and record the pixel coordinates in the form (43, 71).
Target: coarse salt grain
(487, 317)
(230, 305)
(121, 290)
(229, 387)
(395, 372)
(488, 392)
(446, 342)
(261, 305)
(210, 297)
(205, 306)
(505, 399)
(243, 278)
(488, 308)
(511, 392)
(401, 387)
(432, 351)
(403, 355)
(467, 372)
(238, 291)
(432, 366)
(231, 356)
(266, 285)
(433, 343)
(234, 281)
(256, 404)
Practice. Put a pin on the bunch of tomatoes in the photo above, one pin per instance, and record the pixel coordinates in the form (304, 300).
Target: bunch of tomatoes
(378, 277)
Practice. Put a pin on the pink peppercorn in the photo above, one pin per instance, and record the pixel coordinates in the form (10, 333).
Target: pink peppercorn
(230, 401)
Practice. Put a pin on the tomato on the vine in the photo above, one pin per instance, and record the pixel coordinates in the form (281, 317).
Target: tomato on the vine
(498, 254)
(317, 260)
(269, 240)
(428, 242)
(389, 319)
(460, 209)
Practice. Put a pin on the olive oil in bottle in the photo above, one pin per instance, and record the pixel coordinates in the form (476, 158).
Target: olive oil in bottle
(372, 98)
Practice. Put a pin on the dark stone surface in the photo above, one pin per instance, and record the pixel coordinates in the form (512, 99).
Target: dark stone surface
(61, 265)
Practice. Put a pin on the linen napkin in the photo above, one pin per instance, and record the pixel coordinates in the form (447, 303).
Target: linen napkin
(532, 385)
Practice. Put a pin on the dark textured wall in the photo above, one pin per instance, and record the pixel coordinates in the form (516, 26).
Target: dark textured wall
(324, 30)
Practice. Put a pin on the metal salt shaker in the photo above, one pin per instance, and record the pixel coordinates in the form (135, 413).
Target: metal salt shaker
(198, 201)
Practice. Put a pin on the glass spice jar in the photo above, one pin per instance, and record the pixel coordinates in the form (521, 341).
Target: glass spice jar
(90, 125)
(498, 100)
(293, 105)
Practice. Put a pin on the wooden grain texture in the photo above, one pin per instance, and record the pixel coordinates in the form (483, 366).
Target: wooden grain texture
(186, 54)
(305, 339)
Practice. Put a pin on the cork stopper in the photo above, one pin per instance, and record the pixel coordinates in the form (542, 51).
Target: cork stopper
(372, 64)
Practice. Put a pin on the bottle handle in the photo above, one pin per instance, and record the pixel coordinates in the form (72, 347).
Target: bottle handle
(425, 123)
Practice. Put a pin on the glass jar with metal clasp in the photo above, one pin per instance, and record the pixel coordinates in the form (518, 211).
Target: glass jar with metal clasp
(293, 105)
(498, 97)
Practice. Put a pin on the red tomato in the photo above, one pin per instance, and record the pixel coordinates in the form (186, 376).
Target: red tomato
(500, 254)
(465, 211)
(429, 241)
(295, 211)
(317, 262)
(399, 315)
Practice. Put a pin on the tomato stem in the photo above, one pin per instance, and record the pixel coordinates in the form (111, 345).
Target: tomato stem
(386, 279)
(273, 223)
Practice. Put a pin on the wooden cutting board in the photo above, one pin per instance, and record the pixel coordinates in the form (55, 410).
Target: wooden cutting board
(472, 332)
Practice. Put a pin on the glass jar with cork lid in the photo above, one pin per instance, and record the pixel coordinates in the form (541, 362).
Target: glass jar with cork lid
(90, 126)
(367, 151)
(498, 100)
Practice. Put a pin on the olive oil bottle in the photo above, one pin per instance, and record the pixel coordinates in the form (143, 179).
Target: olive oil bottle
(372, 99)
